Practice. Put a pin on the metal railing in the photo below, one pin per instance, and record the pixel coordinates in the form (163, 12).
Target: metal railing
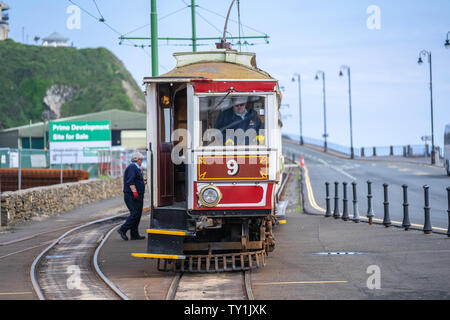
(377, 151)
(109, 162)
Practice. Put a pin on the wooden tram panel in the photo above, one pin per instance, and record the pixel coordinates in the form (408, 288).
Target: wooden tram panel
(234, 167)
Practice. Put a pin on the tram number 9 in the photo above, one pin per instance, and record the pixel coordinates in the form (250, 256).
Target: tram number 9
(233, 167)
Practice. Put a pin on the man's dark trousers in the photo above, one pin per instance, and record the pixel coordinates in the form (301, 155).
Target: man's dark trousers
(135, 207)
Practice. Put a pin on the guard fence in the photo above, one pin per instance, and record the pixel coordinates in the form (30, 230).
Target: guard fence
(344, 214)
(97, 163)
(408, 151)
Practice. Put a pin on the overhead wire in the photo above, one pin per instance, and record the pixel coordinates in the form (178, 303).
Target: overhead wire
(103, 20)
(98, 11)
(159, 19)
(232, 20)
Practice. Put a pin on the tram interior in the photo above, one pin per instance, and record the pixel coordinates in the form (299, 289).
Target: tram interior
(172, 177)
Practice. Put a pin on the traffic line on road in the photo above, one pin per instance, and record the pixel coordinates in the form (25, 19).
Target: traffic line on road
(337, 169)
(295, 282)
(27, 249)
(14, 293)
(311, 199)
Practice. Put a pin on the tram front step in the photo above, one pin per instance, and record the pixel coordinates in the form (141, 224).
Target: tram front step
(166, 242)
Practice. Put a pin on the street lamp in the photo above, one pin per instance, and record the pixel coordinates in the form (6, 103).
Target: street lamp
(299, 103)
(325, 135)
(447, 42)
(424, 54)
(347, 68)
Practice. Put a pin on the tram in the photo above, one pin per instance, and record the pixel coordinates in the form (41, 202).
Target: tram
(215, 163)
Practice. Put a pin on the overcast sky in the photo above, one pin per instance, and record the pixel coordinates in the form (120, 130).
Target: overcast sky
(379, 39)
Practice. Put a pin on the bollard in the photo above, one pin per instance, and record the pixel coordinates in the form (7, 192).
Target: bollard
(327, 199)
(386, 219)
(336, 214)
(448, 211)
(406, 223)
(356, 217)
(427, 225)
(370, 213)
(345, 203)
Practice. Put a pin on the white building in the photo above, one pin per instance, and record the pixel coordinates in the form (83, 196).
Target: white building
(4, 27)
(55, 40)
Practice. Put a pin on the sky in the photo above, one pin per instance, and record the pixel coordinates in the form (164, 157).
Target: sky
(380, 40)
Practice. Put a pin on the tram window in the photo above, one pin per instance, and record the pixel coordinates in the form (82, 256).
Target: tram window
(232, 120)
(165, 125)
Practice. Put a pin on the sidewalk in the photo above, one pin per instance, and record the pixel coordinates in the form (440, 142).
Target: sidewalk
(330, 259)
(84, 213)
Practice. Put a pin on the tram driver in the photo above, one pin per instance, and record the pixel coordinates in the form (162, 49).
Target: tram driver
(239, 117)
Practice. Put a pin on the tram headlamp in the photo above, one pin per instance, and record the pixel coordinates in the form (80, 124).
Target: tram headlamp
(210, 196)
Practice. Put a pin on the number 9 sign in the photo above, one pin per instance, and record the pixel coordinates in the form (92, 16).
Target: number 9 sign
(233, 167)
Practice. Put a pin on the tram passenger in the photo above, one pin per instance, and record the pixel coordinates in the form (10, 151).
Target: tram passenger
(238, 117)
(133, 190)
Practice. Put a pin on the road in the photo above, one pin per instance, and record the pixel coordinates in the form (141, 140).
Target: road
(328, 168)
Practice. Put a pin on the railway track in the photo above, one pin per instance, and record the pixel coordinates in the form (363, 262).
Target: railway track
(67, 269)
(212, 286)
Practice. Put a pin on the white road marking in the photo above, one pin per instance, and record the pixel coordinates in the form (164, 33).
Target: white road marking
(337, 169)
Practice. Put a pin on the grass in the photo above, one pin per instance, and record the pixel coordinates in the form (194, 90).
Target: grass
(28, 71)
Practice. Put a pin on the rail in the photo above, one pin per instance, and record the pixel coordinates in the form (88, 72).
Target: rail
(33, 270)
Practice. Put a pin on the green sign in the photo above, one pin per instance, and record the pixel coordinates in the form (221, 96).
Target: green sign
(80, 131)
(78, 141)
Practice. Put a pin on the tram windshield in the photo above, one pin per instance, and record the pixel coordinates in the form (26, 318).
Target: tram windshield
(232, 120)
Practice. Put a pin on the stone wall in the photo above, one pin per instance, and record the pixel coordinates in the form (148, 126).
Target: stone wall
(19, 206)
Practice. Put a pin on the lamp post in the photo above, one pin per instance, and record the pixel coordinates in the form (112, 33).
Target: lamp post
(325, 135)
(299, 103)
(347, 68)
(447, 42)
(425, 53)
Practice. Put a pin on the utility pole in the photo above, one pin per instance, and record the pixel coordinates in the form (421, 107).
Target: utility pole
(325, 134)
(154, 39)
(347, 68)
(425, 53)
(194, 27)
(154, 35)
(299, 103)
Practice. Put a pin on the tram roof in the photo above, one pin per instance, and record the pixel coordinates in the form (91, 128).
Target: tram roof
(220, 64)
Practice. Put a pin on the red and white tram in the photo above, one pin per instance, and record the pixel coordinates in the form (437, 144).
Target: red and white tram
(215, 162)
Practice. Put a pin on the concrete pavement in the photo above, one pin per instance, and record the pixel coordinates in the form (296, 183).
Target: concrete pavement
(327, 259)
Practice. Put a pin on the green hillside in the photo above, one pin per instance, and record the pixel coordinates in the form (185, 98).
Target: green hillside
(95, 78)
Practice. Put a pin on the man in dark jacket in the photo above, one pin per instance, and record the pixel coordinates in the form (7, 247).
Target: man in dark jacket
(238, 117)
(133, 191)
